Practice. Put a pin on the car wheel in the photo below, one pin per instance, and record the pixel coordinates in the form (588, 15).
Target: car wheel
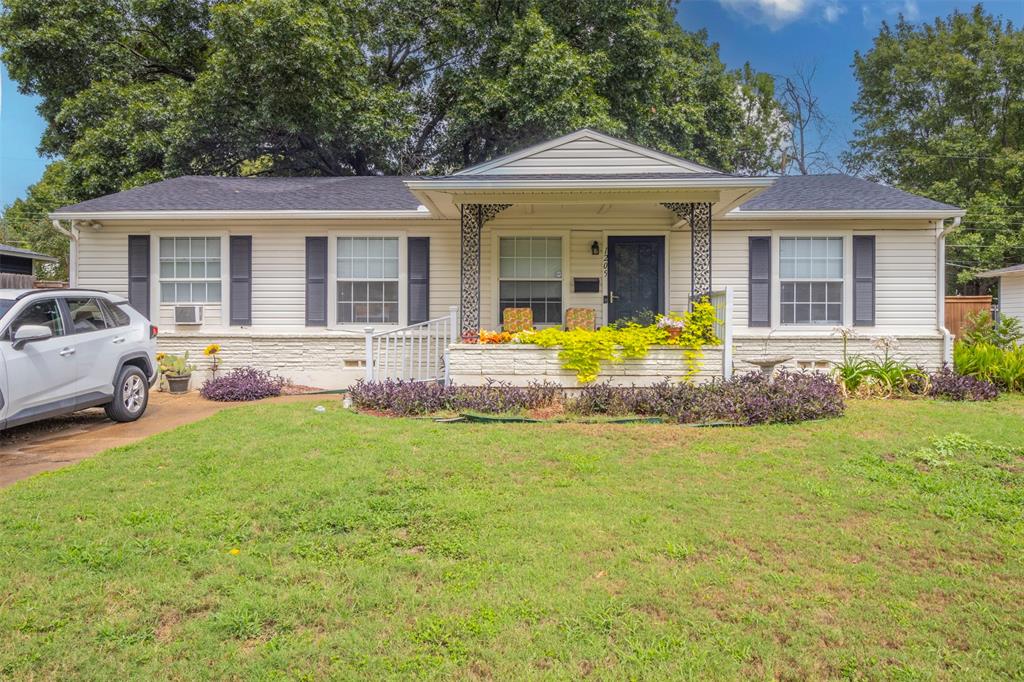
(131, 395)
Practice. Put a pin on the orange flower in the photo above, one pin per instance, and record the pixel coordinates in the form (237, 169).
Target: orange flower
(494, 337)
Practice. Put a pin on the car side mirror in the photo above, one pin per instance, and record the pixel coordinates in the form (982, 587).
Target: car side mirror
(28, 333)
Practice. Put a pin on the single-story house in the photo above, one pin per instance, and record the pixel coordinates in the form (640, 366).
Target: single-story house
(16, 261)
(1011, 290)
(290, 273)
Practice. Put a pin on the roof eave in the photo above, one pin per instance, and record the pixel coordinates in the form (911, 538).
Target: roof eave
(401, 214)
(29, 256)
(849, 214)
(495, 182)
(1000, 272)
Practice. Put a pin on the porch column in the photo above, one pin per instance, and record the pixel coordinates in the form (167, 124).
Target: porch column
(698, 217)
(473, 218)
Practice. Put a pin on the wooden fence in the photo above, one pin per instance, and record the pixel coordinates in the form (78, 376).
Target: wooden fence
(10, 280)
(959, 308)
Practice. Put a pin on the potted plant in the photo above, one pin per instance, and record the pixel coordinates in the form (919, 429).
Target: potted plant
(673, 324)
(176, 370)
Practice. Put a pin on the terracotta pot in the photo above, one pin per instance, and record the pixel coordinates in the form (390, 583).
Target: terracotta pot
(178, 384)
(674, 332)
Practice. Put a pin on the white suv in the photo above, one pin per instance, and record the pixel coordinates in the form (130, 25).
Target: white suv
(62, 350)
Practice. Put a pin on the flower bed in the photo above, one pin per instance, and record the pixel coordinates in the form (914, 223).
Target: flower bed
(586, 352)
(749, 399)
(242, 384)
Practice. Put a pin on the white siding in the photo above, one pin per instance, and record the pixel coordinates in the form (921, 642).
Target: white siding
(905, 288)
(586, 155)
(1011, 296)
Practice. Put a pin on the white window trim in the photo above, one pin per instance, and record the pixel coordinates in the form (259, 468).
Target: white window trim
(154, 274)
(332, 280)
(497, 234)
(776, 282)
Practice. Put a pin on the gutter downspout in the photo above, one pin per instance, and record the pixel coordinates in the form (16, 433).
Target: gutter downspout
(940, 283)
(71, 233)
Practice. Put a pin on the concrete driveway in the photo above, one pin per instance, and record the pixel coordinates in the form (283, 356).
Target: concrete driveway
(54, 443)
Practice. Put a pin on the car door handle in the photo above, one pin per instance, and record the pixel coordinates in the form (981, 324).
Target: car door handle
(64, 352)
(119, 339)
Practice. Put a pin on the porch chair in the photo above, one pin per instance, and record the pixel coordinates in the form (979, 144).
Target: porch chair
(581, 318)
(516, 319)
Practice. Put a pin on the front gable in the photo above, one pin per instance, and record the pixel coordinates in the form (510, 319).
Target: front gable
(585, 152)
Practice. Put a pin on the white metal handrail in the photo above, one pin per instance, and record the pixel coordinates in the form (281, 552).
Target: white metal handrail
(418, 352)
(723, 302)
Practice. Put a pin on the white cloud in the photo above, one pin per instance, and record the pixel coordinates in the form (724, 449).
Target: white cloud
(910, 10)
(832, 11)
(777, 13)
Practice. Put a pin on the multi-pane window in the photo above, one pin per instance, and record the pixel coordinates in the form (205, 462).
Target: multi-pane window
(368, 280)
(190, 270)
(530, 276)
(811, 280)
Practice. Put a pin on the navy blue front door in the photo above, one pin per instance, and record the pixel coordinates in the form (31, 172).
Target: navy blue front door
(636, 276)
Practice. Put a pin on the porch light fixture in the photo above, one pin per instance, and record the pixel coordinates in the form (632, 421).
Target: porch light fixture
(595, 248)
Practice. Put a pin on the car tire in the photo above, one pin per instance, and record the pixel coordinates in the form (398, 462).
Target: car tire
(131, 395)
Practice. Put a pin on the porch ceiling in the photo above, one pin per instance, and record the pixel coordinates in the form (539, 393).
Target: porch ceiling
(443, 196)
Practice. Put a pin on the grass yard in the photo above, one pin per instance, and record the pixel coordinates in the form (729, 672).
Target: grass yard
(271, 541)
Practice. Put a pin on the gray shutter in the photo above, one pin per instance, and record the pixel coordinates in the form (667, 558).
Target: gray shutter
(241, 280)
(316, 281)
(138, 272)
(759, 281)
(419, 279)
(864, 280)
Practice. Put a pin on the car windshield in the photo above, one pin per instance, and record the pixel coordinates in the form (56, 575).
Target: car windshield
(5, 305)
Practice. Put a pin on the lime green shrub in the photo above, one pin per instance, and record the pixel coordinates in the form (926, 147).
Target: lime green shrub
(1002, 366)
(583, 351)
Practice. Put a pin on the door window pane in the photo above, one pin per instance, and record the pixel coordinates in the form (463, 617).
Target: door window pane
(42, 313)
(86, 315)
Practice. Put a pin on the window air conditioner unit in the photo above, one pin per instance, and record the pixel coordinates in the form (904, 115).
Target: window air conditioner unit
(188, 314)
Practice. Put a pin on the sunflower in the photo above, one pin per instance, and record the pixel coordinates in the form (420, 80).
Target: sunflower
(212, 349)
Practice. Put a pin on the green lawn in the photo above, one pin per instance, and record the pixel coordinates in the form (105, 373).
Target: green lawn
(370, 547)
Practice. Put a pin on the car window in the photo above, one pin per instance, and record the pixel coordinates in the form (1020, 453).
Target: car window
(5, 305)
(115, 316)
(86, 315)
(44, 313)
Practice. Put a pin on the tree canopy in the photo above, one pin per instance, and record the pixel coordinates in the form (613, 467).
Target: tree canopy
(137, 90)
(941, 113)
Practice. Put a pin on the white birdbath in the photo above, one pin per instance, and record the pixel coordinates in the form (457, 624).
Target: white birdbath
(768, 363)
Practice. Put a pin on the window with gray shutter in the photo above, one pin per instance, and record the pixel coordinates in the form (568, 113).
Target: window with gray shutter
(759, 284)
(138, 272)
(419, 279)
(240, 254)
(863, 280)
(316, 281)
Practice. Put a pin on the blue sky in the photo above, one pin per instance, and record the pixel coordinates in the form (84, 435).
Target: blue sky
(774, 35)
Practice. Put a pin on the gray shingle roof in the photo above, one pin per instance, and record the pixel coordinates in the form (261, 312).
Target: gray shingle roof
(492, 177)
(837, 193)
(24, 253)
(1011, 270)
(389, 193)
(208, 193)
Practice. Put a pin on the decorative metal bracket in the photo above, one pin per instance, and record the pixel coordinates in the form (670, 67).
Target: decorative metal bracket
(698, 217)
(473, 217)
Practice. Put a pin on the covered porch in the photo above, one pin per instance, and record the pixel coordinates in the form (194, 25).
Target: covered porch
(606, 253)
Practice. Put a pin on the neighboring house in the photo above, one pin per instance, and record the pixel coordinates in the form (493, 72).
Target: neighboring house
(289, 272)
(19, 261)
(1011, 290)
